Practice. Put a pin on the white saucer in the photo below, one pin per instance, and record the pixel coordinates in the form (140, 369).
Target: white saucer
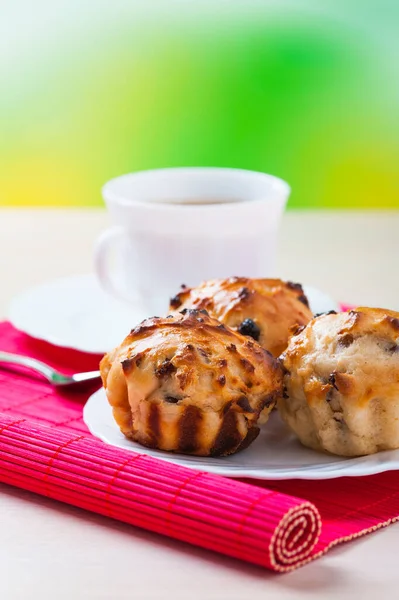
(275, 454)
(74, 312)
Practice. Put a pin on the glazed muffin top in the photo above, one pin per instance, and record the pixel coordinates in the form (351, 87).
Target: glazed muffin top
(264, 309)
(193, 358)
(354, 353)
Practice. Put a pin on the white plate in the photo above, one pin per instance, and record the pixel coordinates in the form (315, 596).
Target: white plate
(75, 312)
(275, 454)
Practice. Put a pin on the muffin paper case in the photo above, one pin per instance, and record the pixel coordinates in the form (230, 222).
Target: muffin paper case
(46, 448)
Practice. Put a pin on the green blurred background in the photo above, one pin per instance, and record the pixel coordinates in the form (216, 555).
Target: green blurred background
(308, 91)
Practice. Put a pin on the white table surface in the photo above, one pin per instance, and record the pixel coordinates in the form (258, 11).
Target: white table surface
(50, 551)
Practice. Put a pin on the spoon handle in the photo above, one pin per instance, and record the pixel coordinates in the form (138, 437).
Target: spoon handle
(36, 365)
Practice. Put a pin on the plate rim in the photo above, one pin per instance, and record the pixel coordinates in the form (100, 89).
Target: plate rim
(15, 319)
(13, 313)
(353, 467)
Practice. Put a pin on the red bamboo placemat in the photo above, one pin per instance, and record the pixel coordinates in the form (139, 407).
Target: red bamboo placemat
(46, 448)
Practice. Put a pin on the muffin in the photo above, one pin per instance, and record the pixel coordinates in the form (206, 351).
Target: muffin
(186, 383)
(263, 309)
(342, 382)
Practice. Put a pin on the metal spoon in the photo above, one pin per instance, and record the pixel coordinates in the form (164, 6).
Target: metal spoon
(54, 377)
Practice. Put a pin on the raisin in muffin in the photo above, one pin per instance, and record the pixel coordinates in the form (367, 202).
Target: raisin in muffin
(342, 382)
(264, 309)
(186, 383)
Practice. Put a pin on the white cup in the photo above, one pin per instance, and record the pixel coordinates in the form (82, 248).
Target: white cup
(184, 225)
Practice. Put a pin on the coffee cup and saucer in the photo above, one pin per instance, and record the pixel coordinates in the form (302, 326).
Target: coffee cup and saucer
(168, 227)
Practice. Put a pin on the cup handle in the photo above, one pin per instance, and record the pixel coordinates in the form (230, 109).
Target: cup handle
(105, 246)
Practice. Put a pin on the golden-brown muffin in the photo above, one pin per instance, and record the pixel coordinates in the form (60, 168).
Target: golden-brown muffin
(342, 382)
(264, 309)
(187, 383)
